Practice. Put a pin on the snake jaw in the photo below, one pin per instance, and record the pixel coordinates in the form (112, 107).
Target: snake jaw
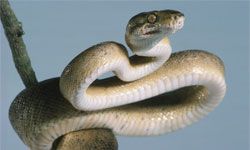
(149, 30)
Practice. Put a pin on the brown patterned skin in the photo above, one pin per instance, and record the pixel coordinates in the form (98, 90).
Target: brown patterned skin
(41, 108)
(90, 139)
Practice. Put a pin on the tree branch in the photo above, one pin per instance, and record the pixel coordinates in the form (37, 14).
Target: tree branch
(13, 31)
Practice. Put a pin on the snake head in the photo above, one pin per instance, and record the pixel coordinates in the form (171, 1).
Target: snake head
(151, 27)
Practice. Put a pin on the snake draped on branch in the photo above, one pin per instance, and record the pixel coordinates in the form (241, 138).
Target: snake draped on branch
(154, 92)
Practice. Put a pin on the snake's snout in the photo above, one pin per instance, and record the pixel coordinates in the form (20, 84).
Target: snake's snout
(180, 22)
(172, 20)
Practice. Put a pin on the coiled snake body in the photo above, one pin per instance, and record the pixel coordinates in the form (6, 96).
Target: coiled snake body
(179, 89)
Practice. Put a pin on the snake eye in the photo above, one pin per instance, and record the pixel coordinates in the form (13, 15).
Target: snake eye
(152, 18)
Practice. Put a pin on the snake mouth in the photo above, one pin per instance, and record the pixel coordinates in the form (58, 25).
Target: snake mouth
(152, 32)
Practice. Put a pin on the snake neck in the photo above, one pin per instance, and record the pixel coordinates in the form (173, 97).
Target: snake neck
(147, 60)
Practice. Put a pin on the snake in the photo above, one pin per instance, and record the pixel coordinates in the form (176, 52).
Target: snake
(152, 92)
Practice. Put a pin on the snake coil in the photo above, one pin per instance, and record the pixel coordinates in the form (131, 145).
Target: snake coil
(154, 92)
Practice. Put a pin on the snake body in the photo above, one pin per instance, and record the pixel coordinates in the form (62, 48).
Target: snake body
(176, 90)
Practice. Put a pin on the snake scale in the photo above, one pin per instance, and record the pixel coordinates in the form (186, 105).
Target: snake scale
(153, 92)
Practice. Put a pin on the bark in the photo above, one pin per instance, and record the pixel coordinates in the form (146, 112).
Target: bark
(14, 32)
